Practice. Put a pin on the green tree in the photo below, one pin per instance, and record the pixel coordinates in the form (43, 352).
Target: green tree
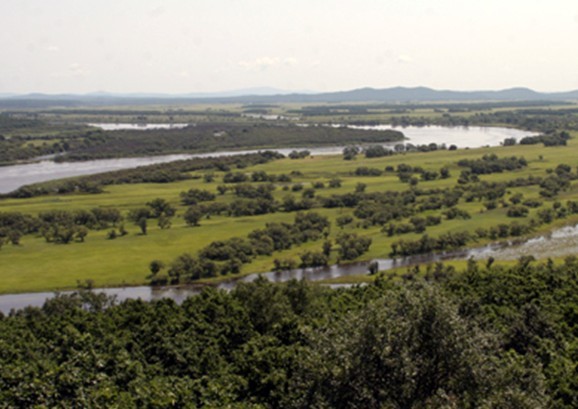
(334, 183)
(160, 207)
(14, 237)
(350, 152)
(164, 222)
(373, 268)
(142, 225)
(81, 233)
(410, 349)
(193, 215)
(156, 266)
(360, 187)
(327, 245)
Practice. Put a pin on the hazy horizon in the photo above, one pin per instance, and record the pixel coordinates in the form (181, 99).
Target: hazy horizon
(258, 91)
(179, 47)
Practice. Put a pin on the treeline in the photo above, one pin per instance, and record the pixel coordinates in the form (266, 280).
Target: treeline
(213, 136)
(26, 147)
(492, 164)
(64, 226)
(57, 226)
(380, 208)
(549, 139)
(228, 256)
(10, 122)
(25, 136)
(488, 336)
(378, 151)
(14, 225)
(15, 149)
(455, 240)
(405, 173)
(362, 109)
(535, 119)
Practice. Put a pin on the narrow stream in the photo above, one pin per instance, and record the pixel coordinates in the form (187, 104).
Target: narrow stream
(561, 242)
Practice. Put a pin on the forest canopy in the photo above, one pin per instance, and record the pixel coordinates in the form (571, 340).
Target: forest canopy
(488, 336)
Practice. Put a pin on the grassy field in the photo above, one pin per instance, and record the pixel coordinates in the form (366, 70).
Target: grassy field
(36, 265)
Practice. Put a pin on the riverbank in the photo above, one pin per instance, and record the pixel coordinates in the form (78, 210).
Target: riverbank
(503, 252)
(355, 273)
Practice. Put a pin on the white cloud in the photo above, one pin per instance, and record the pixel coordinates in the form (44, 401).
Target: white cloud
(52, 48)
(263, 63)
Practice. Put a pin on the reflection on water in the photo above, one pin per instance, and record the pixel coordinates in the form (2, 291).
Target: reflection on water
(559, 243)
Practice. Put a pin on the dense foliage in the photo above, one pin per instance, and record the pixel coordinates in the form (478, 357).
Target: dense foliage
(24, 136)
(211, 136)
(492, 164)
(224, 257)
(486, 337)
(455, 240)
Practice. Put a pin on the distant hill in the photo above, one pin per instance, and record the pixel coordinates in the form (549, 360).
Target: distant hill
(417, 94)
(258, 91)
(272, 95)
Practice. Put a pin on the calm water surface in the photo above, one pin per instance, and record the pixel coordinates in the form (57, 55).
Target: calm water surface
(136, 126)
(13, 177)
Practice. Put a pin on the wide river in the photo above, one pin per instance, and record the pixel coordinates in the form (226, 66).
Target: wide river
(559, 243)
(13, 177)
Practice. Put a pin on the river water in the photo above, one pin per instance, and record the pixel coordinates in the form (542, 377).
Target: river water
(13, 177)
(561, 242)
(136, 126)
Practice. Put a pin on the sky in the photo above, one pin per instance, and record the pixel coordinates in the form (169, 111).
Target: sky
(190, 46)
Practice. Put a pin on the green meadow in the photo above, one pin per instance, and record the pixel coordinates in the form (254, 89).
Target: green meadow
(36, 265)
